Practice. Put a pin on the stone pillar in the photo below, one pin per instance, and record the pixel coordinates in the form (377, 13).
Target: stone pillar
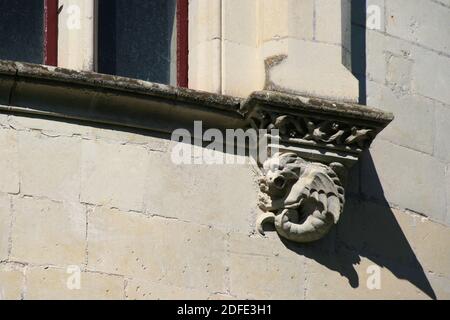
(205, 45)
(76, 40)
(296, 46)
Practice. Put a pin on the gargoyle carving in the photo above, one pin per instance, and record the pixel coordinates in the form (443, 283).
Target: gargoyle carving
(302, 199)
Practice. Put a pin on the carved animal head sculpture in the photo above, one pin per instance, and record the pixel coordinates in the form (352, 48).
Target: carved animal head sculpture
(302, 199)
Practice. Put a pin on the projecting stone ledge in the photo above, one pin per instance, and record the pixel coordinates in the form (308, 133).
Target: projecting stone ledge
(302, 186)
(316, 129)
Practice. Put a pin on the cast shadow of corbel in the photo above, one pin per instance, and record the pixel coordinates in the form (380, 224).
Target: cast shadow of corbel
(367, 228)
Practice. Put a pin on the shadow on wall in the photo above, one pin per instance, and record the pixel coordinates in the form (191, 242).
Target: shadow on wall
(359, 46)
(366, 229)
(369, 230)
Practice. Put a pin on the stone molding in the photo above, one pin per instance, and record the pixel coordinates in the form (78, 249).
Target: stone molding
(316, 129)
(302, 186)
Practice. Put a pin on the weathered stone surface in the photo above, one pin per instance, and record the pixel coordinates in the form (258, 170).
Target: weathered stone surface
(399, 72)
(47, 232)
(205, 76)
(374, 58)
(165, 250)
(5, 224)
(301, 19)
(302, 56)
(268, 246)
(146, 290)
(11, 282)
(243, 34)
(274, 24)
(448, 194)
(444, 2)
(431, 75)
(205, 25)
(122, 84)
(442, 143)
(39, 156)
(287, 19)
(3, 120)
(385, 171)
(60, 127)
(410, 246)
(431, 246)
(322, 283)
(9, 168)
(113, 175)
(328, 21)
(377, 230)
(76, 45)
(420, 70)
(241, 57)
(259, 277)
(51, 284)
(413, 125)
(419, 22)
(264, 269)
(223, 196)
(50, 128)
(441, 286)
(129, 137)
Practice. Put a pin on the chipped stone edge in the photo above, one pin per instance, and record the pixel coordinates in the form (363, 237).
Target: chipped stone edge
(330, 108)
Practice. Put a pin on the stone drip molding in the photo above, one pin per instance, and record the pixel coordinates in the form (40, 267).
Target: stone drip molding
(302, 185)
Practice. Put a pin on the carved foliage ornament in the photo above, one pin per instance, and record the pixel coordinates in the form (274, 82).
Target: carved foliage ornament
(302, 199)
(318, 131)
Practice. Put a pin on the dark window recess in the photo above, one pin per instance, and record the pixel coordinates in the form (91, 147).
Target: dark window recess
(21, 30)
(136, 39)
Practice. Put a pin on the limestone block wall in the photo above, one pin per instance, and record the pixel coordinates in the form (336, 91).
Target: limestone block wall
(404, 67)
(110, 204)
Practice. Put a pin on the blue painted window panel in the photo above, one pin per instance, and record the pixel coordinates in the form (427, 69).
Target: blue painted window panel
(22, 30)
(135, 38)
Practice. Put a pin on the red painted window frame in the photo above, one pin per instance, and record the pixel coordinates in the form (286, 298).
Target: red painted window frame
(51, 38)
(182, 43)
(51, 32)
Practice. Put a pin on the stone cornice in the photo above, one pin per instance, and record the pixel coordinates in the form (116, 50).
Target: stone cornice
(99, 98)
(317, 129)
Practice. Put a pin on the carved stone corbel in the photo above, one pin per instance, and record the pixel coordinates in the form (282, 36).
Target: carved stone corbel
(302, 199)
(303, 184)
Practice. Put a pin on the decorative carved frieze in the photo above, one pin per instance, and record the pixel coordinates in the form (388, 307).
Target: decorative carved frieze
(326, 132)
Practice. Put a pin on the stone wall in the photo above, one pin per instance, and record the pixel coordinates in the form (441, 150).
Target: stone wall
(111, 203)
(404, 67)
(240, 46)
